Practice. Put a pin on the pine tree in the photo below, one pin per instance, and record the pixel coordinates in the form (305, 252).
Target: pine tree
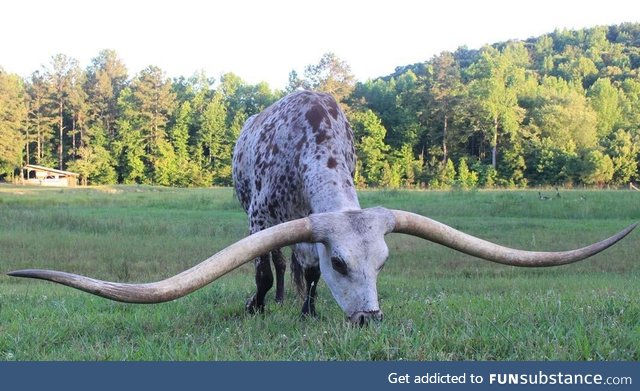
(445, 92)
(210, 136)
(41, 120)
(467, 179)
(106, 77)
(153, 102)
(129, 147)
(13, 121)
(60, 77)
(187, 172)
(78, 109)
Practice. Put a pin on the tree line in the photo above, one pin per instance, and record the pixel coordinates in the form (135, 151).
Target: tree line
(559, 109)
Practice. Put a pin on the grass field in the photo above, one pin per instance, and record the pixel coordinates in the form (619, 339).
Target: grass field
(439, 304)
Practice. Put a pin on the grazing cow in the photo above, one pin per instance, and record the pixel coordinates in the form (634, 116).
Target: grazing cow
(293, 172)
(294, 159)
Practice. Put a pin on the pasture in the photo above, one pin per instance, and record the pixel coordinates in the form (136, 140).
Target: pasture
(439, 304)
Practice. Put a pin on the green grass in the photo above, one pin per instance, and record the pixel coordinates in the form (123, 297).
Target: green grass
(439, 304)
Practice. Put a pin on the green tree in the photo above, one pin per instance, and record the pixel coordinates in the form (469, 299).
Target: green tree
(623, 152)
(256, 98)
(498, 77)
(408, 166)
(41, 120)
(445, 177)
(467, 179)
(84, 164)
(397, 102)
(565, 115)
(391, 175)
(77, 108)
(210, 136)
(129, 146)
(130, 149)
(179, 132)
(445, 92)
(575, 67)
(597, 168)
(370, 147)
(13, 121)
(106, 78)
(165, 164)
(332, 75)
(543, 54)
(187, 172)
(225, 155)
(153, 102)
(61, 76)
(605, 100)
(294, 82)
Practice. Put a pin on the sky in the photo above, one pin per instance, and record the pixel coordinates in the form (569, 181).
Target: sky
(265, 40)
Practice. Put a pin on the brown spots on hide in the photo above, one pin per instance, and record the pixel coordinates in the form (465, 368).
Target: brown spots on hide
(321, 136)
(315, 115)
(301, 142)
(333, 108)
(273, 208)
(332, 162)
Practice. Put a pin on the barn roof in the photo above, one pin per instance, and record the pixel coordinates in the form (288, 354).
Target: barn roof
(49, 169)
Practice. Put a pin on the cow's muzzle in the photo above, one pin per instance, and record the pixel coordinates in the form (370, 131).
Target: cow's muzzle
(362, 318)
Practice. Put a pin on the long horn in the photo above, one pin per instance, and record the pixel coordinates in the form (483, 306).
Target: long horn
(182, 284)
(416, 225)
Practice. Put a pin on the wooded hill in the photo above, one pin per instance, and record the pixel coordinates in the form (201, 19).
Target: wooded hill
(559, 109)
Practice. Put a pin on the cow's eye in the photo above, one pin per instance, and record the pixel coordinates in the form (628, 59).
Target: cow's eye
(339, 265)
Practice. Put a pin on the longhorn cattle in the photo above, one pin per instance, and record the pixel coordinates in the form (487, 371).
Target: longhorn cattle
(293, 169)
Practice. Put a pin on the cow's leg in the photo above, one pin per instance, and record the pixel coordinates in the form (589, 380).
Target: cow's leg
(280, 264)
(311, 276)
(264, 282)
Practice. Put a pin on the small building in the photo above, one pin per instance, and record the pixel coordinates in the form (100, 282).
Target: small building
(45, 176)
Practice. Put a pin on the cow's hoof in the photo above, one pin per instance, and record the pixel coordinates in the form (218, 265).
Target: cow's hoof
(253, 307)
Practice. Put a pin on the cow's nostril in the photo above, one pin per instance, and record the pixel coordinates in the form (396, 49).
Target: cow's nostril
(362, 318)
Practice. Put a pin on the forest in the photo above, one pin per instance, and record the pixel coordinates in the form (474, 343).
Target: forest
(561, 109)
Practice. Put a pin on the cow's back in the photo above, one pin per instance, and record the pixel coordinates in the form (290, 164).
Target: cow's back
(295, 158)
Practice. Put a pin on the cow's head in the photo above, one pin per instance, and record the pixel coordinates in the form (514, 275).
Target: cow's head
(351, 249)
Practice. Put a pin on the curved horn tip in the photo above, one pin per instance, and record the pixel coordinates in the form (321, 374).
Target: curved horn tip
(30, 273)
(20, 273)
(628, 230)
(41, 274)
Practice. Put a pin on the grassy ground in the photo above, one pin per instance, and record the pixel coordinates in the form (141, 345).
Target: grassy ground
(438, 304)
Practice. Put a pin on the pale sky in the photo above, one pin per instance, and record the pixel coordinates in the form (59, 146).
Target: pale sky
(265, 40)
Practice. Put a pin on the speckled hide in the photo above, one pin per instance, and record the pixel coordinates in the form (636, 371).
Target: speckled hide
(293, 159)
